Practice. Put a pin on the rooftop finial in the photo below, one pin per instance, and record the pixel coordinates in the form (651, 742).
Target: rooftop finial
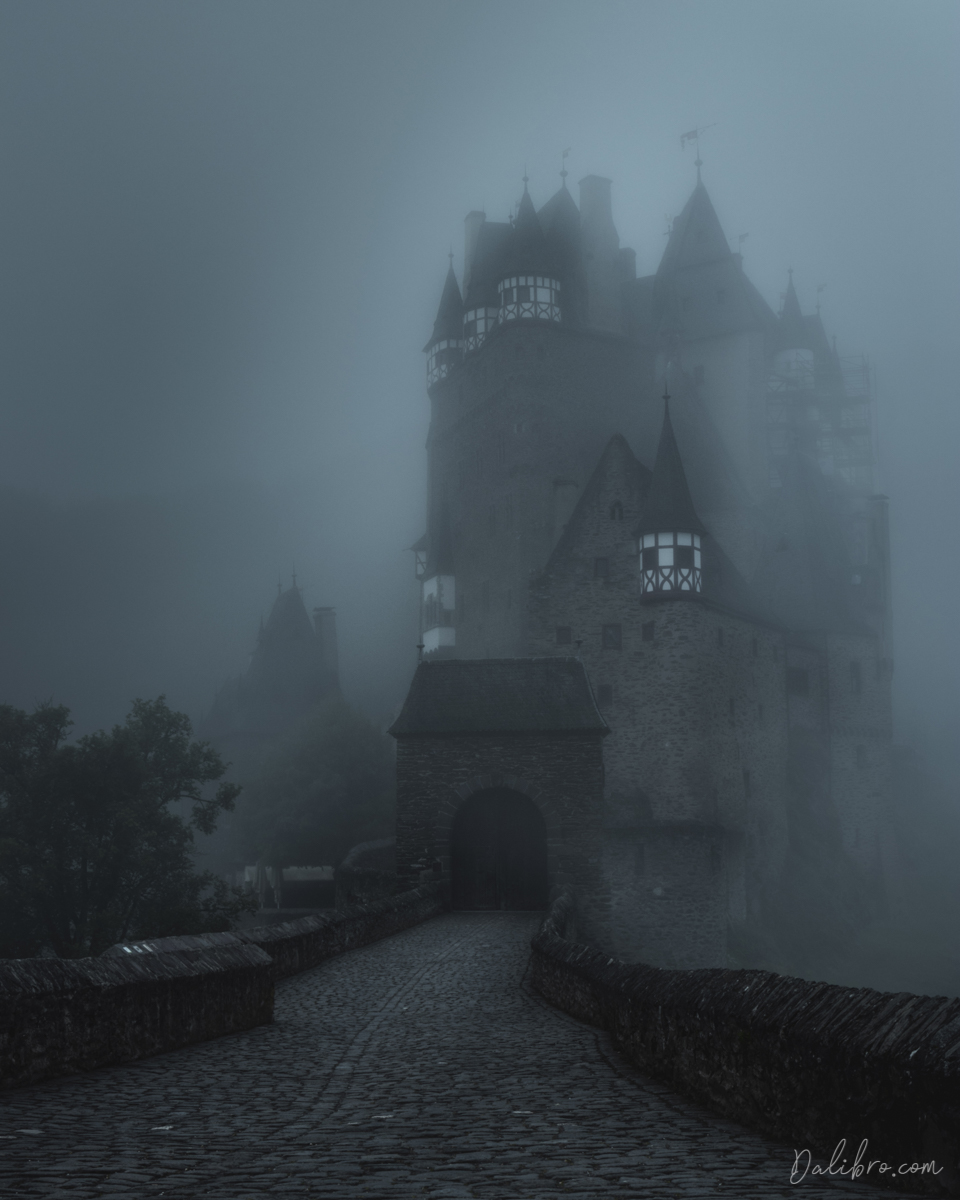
(666, 391)
(563, 167)
(450, 256)
(294, 572)
(526, 177)
(693, 135)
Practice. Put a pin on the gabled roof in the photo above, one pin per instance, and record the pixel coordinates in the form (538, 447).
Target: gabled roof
(449, 322)
(499, 695)
(669, 505)
(617, 464)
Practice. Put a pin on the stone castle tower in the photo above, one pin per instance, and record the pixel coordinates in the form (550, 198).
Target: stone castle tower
(718, 560)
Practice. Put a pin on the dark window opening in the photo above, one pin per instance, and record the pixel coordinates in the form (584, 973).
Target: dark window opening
(646, 630)
(798, 681)
(601, 568)
(564, 635)
(604, 695)
(683, 556)
(611, 637)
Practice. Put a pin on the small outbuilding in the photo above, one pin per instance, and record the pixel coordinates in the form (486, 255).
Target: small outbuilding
(500, 782)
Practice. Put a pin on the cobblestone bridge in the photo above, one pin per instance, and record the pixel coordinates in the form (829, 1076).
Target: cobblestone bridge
(419, 1066)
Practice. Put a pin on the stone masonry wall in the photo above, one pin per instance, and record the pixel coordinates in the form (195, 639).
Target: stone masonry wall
(58, 1016)
(806, 1062)
(561, 773)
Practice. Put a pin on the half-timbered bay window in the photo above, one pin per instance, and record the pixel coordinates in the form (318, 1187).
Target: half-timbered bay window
(439, 606)
(529, 296)
(477, 323)
(670, 562)
(442, 357)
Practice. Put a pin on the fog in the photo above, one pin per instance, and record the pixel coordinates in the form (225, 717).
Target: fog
(224, 235)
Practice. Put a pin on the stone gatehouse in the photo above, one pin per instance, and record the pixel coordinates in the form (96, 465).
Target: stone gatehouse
(500, 783)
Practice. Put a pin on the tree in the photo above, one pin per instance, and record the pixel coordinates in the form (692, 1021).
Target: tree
(91, 851)
(319, 791)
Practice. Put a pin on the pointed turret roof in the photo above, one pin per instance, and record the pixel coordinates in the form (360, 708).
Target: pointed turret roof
(791, 305)
(527, 251)
(669, 505)
(449, 322)
(696, 237)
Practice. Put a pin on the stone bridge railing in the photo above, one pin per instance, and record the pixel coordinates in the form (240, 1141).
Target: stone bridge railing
(58, 1016)
(808, 1063)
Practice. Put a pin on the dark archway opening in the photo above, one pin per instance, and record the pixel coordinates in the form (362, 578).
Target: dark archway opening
(499, 853)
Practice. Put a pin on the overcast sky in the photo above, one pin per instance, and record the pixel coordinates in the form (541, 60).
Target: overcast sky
(224, 232)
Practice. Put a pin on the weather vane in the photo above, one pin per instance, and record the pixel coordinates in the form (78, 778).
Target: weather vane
(694, 136)
(563, 166)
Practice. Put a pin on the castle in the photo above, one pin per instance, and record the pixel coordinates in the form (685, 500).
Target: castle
(668, 481)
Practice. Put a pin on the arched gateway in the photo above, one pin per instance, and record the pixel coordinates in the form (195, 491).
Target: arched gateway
(500, 782)
(498, 852)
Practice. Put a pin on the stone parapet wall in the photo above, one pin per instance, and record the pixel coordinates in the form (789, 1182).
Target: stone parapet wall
(810, 1063)
(60, 1016)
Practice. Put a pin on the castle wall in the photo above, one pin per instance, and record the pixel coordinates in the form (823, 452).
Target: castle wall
(516, 432)
(561, 773)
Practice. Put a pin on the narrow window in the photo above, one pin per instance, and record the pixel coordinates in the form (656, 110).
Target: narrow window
(646, 630)
(616, 511)
(746, 783)
(719, 637)
(611, 637)
(855, 681)
(564, 635)
(604, 695)
(601, 568)
(798, 681)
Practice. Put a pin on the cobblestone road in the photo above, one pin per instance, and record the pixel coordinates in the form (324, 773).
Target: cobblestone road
(418, 1066)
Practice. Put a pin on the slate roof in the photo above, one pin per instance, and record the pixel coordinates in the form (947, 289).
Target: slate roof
(527, 252)
(449, 322)
(669, 505)
(499, 695)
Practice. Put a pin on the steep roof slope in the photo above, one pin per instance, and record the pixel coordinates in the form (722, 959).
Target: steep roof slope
(499, 695)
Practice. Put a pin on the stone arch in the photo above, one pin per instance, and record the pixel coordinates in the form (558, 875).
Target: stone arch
(498, 852)
(491, 782)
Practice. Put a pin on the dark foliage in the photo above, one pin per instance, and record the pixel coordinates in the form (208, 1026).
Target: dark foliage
(91, 852)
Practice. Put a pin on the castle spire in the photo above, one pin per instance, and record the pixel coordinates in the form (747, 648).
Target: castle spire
(669, 532)
(444, 348)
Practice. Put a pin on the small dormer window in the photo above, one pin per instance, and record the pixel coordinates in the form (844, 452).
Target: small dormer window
(670, 562)
(442, 357)
(529, 297)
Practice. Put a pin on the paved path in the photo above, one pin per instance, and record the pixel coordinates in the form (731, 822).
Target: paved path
(418, 1066)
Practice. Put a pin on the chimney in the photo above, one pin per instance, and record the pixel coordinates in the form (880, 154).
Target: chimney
(601, 256)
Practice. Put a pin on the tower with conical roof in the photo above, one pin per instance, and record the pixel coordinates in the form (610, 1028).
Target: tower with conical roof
(569, 510)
